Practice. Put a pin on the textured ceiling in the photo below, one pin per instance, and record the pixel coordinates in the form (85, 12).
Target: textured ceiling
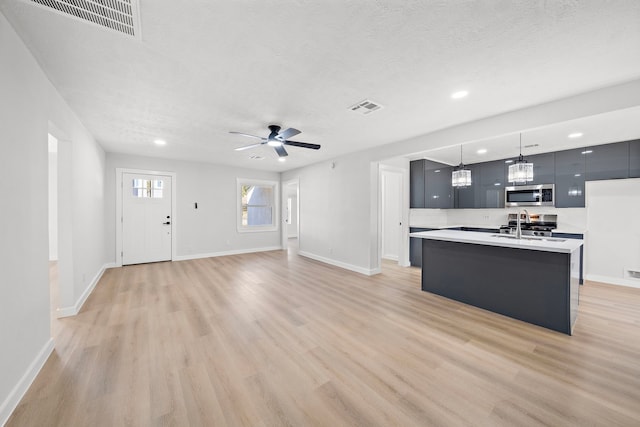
(204, 68)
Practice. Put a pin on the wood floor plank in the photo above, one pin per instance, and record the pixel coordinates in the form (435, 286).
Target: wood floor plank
(272, 338)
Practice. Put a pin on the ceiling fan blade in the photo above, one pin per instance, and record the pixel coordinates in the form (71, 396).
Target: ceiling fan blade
(281, 151)
(246, 134)
(302, 144)
(288, 133)
(246, 147)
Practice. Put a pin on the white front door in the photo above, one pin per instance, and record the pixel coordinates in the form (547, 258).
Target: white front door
(146, 218)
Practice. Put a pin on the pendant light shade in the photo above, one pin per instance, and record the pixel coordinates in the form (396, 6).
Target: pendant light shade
(461, 177)
(521, 171)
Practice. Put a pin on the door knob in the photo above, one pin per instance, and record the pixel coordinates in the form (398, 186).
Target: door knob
(166, 223)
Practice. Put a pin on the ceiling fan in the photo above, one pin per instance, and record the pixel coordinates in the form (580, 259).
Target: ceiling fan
(277, 140)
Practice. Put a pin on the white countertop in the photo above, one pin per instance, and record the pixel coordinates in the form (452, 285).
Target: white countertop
(490, 239)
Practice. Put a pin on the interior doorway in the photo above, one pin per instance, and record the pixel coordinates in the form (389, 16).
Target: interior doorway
(391, 218)
(291, 216)
(393, 212)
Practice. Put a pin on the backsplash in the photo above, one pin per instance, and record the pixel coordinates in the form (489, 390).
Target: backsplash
(569, 219)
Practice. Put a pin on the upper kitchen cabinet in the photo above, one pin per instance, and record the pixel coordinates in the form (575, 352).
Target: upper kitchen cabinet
(493, 178)
(608, 161)
(438, 189)
(416, 185)
(634, 159)
(469, 197)
(544, 168)
(570, 178)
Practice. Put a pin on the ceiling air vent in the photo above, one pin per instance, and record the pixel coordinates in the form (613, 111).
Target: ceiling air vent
(117, 15)
(365, 107)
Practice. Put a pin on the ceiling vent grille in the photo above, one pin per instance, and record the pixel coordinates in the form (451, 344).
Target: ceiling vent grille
(117, 15)
(365, 107)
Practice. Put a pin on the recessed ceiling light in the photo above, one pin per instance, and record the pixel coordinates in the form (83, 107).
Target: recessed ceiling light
(282, 159)
(459, 94)
(575, 135)
(437, 171)
(508, 161)
(577, 174)
(587, 152)
(482, 151)
(160, 142)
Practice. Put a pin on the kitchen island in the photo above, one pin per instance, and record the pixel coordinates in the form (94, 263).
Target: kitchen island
(533, 279)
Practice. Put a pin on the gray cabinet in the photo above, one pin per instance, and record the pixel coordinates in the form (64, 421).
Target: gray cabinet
(570, 178)
(416, 184)
(438, 189)
(608, 161)
(544, 169)
(415, 247)
(469, 197)
(493, 178)
(634, 159)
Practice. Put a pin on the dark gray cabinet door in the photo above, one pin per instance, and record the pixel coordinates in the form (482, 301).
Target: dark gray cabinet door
(634, 159)
(544, 169)
(416, 185)
(438, 189)
(570, 178)
(493, 179)
(469, 197)
(608, 161)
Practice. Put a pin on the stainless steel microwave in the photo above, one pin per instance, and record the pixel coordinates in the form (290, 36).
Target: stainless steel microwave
(529, 195)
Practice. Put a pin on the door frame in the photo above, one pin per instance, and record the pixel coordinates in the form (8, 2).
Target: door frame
(403, 255)
(119, 216)
(285, 233)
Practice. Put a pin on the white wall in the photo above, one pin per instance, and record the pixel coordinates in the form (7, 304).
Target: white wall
(29, 107)
(207, 231)
(335, 204)
(613, 239)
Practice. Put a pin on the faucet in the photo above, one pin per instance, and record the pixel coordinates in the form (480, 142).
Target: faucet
(518, 229)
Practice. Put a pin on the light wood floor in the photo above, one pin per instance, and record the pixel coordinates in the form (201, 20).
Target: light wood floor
(274, 339)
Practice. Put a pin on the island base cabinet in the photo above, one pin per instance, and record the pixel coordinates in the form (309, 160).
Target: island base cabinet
(537, 287)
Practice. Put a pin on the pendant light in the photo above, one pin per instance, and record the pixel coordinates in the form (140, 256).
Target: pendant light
(461, 177)
(521, 171)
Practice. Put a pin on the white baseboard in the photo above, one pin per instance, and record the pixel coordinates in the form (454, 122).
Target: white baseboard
(390, 257)
(75, 309)
(225, 253)
(16, 394)
(631, 283)
(368, 272)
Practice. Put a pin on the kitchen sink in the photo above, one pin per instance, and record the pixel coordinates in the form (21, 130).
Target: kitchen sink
(544, 239)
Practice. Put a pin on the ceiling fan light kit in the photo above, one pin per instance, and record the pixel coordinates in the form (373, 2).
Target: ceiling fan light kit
(277, 140)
